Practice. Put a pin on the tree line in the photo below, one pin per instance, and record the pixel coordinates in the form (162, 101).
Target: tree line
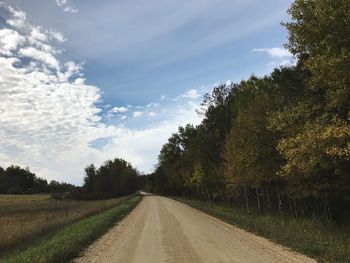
(279, 142)
(17, 180)
(114, 178)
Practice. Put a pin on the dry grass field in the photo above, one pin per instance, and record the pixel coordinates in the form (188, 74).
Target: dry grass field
(24, 217)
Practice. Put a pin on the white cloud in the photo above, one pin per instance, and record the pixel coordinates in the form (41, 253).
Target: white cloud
(275, 52)
(280, 57)
(191, 94)
(39, 55)
(57, 36)
(18, 19)
(152, 105)
(9, 41)
(47, 125)
(37, 34)
(228, 83)
(137, 114)
(71, 69)
(46, 119)
(281, 63)
(66, 6)
(119, 109)
(152, 114)
(49, 116)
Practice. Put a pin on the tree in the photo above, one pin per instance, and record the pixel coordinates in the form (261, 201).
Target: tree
(17, 180)
(315, 142)
(112, 179)
(319, 30)
(90, 174)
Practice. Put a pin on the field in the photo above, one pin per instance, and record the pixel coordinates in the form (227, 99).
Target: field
(68, 241)
(324, 241)
(24, 217)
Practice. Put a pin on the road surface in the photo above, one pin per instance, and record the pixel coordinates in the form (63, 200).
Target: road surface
(163, 230)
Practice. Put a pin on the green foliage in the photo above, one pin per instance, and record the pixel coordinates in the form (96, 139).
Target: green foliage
(114, 178)
(16, 180)
(315, 141)
(320, 30)
(250, 154)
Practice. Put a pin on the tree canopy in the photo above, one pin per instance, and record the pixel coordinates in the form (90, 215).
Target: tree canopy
(112, 179)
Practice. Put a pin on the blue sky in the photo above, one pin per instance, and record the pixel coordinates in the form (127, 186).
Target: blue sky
(124, 74)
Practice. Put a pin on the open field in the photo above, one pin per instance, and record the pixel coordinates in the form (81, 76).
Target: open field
(67, 242)
(325, 242)
(24, 217)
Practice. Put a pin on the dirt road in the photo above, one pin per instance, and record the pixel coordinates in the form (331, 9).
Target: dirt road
(163, 230)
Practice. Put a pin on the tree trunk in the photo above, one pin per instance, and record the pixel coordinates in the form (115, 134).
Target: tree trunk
(328, 210)
(316, 208)
(295, 208)
(280, 208)
(263, 203)
(302, 208)
(269, 206)
(246, 199)
(258, 199)
(209, 199)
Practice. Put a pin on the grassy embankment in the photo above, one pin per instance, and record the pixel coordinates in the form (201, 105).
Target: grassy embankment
(322, 241)
(66, 242)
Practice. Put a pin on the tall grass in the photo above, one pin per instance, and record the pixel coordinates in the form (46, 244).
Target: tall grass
(324, 241)
(23, 218)
(67, 242)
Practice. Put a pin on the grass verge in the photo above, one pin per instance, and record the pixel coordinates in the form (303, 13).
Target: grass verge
(66, 243)
(324, 242)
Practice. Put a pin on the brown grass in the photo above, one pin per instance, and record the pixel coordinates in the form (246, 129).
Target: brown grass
(23, 217)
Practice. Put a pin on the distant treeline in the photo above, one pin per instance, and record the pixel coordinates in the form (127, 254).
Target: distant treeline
(17, 180)
(279, 142)
(112, 179)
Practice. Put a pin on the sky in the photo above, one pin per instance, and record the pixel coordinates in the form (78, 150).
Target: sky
(86, 81)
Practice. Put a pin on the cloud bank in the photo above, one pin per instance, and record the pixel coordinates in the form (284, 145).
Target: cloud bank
(54, 122)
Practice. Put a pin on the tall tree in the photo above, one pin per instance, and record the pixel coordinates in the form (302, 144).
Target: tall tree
(316, 142)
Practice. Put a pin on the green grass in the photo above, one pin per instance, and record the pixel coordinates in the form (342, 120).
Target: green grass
(66, 243)
(324, 242)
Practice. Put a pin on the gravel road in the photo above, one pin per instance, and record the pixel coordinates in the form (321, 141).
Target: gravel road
(163, 230)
